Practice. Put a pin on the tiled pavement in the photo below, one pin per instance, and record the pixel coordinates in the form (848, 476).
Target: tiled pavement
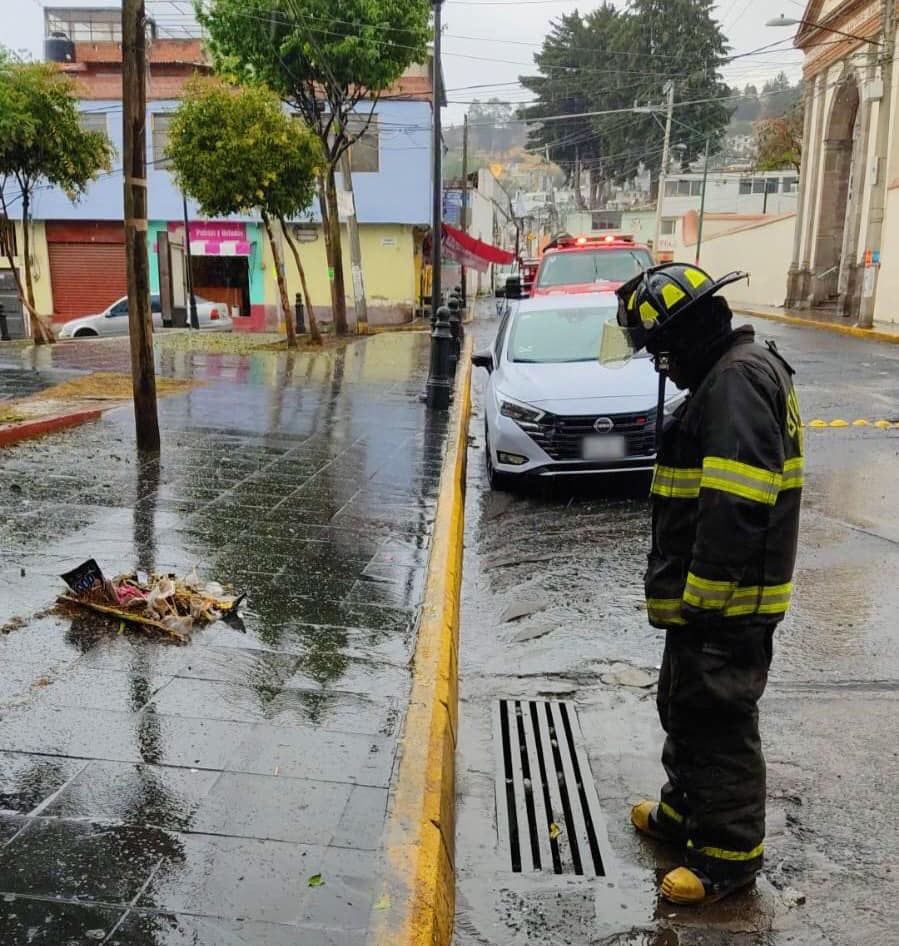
(157, 794)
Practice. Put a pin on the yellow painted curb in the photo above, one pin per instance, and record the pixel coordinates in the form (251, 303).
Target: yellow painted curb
(416, 903)
(867, 333)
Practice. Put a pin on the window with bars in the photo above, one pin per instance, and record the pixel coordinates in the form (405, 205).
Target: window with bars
(161, 122)
(93, 121)
(365, 154)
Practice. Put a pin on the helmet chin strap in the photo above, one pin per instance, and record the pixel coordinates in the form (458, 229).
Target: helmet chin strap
(662, 368)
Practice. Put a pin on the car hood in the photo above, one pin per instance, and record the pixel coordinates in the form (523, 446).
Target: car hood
(583, 387)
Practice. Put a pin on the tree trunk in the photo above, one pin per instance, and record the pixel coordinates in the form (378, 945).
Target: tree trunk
(282, 285)
(314, 330)
(41, 333)
(339, 290)
(326, 231)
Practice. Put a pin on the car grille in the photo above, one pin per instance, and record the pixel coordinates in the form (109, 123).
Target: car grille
(561, 437)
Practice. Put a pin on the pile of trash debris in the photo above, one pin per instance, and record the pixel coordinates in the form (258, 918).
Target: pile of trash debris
(167, 603)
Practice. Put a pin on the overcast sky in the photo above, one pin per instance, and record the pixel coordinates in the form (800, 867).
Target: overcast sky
(488, 43)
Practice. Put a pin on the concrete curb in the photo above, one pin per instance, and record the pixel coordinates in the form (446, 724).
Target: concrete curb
(868, 334)
(417, 901)
(13, 433)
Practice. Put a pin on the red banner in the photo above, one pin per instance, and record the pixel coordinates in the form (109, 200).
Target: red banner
(473, 253)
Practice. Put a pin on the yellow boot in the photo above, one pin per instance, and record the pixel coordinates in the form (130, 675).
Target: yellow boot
(647, 819)
(690, 887)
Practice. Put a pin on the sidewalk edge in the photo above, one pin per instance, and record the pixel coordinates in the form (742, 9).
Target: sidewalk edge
(869, 334)
(13, 433)
(417, 899)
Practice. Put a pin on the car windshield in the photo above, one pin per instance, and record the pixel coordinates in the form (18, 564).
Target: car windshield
(582, 266)
(556, 336)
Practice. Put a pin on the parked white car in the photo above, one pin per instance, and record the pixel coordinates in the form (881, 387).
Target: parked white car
(551, 408)
(212, 316)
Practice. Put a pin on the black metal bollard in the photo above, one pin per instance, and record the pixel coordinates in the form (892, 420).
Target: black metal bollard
(455, 323)
(4, 328)
(298, 310)
(438, 389)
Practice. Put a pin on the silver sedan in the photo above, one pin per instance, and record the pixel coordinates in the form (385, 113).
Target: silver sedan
(212, 316)
(552, 408)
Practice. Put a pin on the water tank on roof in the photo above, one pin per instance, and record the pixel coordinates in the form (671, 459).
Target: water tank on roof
(59, 48)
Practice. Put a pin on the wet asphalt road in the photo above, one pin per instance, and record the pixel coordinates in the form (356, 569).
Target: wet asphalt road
(572, 558)
(157, 795)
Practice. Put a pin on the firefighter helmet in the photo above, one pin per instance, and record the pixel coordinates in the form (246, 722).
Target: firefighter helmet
(661, 295)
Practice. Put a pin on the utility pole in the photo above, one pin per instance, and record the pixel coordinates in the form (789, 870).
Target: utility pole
(705, 181)
(465, 203)
(666, 150)
(874, 239)
(355, 247)
(193, 319)
(140, 326)
(436, 168)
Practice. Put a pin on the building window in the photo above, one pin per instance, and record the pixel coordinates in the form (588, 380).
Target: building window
(772, 185)
(695, 188)
(93, 121)
(791, 185)
(8, 238)
(671, 188)
(669, 226)
(683, 188)
(365, 154)
(86, 25)
(746, 186)
(161, 123)
(606, 220)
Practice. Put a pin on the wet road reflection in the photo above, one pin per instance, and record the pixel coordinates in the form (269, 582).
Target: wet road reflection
(161, 794)
(553, 609)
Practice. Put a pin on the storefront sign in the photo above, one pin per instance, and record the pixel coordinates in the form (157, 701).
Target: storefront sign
(215, 237)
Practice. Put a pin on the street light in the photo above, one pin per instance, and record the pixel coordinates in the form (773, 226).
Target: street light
(794, 21)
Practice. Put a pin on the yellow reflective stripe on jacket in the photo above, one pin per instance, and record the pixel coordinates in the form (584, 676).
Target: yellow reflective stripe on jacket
(665, 610)
(723, 854)
(676, 482)
(793, 475)
(707, 594)
(733, 601)
(670, 812)
(741, 479)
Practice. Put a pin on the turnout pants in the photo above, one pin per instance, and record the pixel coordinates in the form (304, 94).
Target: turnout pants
(709, 687)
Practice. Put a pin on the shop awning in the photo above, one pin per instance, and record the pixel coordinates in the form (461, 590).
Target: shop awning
(471, 252)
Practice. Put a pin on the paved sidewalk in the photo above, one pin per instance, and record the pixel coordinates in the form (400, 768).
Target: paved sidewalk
(156, 794)
(831, 321)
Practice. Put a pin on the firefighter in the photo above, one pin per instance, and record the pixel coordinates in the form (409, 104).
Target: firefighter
(725, 516)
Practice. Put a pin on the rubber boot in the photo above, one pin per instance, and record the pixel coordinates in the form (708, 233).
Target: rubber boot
(691, 887)
(649, 820)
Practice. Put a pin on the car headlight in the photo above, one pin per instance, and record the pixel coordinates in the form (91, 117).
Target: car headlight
(522, 414)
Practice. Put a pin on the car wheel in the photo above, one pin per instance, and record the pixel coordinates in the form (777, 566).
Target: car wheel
(499, 482)
(86, 333)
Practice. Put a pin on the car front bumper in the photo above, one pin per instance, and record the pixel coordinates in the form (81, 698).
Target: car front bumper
(507, 439)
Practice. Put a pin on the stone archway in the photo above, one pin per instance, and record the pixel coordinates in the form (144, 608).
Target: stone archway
(834, 211)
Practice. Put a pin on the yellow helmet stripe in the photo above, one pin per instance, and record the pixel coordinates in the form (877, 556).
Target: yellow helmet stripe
(695, 277)
(672, 294)
(648, 312)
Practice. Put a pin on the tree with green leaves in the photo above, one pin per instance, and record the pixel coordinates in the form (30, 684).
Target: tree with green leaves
(609, 61)
(779, 141)
(331, 60)
(41, 143)
(235, 150)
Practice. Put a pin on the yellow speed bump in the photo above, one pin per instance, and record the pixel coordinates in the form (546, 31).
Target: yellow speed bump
(882, 424)
(817, 422)
(861, 423)
(839, 423)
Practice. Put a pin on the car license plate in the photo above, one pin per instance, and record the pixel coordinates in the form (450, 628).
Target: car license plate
(605, 447)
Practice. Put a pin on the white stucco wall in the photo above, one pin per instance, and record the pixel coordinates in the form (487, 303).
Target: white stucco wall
(763, 250)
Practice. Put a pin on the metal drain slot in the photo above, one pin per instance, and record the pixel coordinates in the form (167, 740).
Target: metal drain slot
(548, 814)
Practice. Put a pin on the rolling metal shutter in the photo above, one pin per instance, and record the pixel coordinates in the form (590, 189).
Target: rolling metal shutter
(86, 275)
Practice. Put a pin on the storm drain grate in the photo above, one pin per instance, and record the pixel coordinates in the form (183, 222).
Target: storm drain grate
(548, 815)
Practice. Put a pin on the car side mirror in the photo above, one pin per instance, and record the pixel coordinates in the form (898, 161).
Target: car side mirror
(483, 359)
(513, 287)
